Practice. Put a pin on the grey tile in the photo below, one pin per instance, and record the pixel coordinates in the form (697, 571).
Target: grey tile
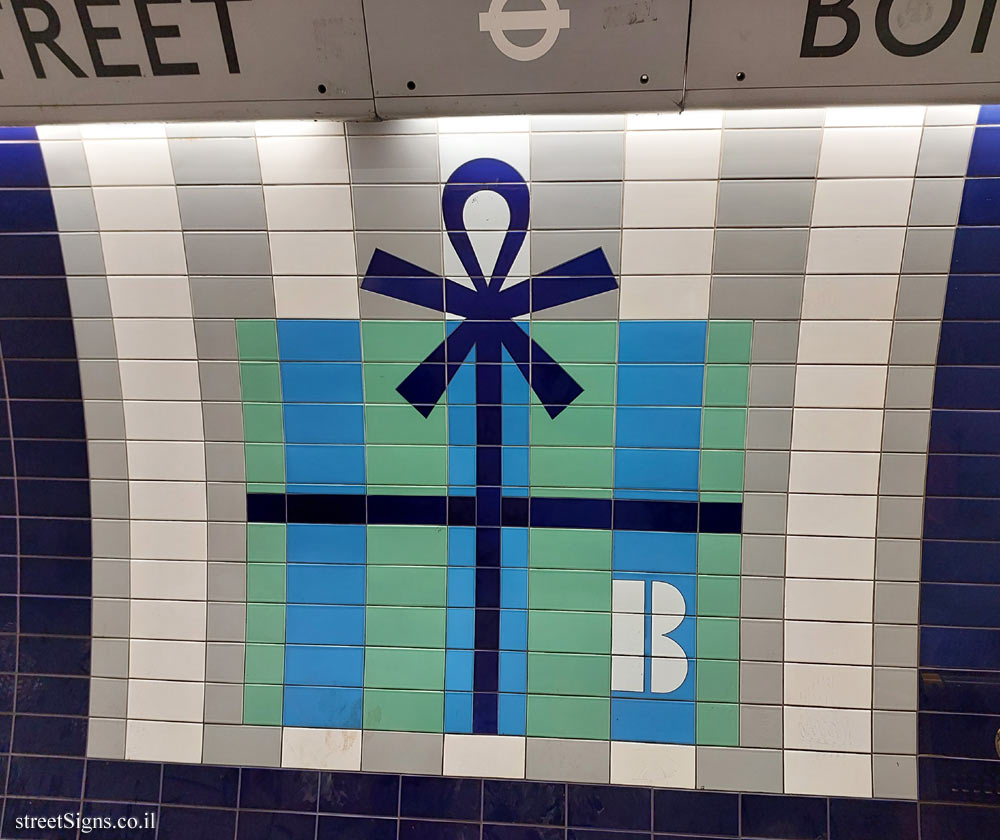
(397, 207)
(88, 297)
(894, 688)
(578, 122)
(756, 297)
(760, 640)
(110, 578)
(915, 343)
(227, 541)
(227, 582)
(216, 339)
(66, 164)
(895, 645)
(906, 431)
(761, 251)
(766, 472)
(731, 768)
(897, 603)
(602, 307)
(224, 662)
(254, 746)
(225, 462)
(563, 760)
(223, 703)
(398, 159)
(776, 118)
(772, 385)
(99, 380)
(771, 153)
(210, 129)
(775, 341)
(900, 516)
(109, 658)
(212, 160)
(402, 752)
(897, 559)
(223, 421)
(106, 738)
(425, 250)
(107, 459)
(944, 150)
(110, 538)
(760, 204)
(764, 513)
(105, 420)
(902, 474)
(227, 502)
(219, 381)
(376, 306)
(414, 126)
(550, 249)
(95, 338)
(588, 206)
(75, 209)
(894, 776)
(227, 622)
(232, 253)
(82, 253)
(578, 156)
(921, 296)
(762, 597)
(109, 499)
(936, 201)
(769, 428)
(108, 698)
(928, 250)
(763, 554)
(761, 682)
(232, 297)
(222, 208)
(760, 726)
(910, 387)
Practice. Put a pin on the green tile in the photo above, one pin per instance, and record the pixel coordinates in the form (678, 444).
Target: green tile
(407, 490)
(569, 632)
(272, 487)
(597, 380)
(414, 545)
(575, 426)
(407, 586)
(382, 380)
(577, 341)
(569, 717)
(718, 638)
(729, 341)
(260, 382)
(404, 711)
(721, 470)
(265, 462)
(262, 423)
(558, 589)
(724, 428)
(265, 543)
(411, 668)
(727, 385)
(404, 424)
(400, 341)
(718, 595)
(717, 724)
(266, 583)
(563, 466)
(718, 680)
(555, 548)
(257, 340)
(574, 492)
(265, 664)
(719, 554)
(262, 705)
(720, 497)
(415, 465)
(405, 626)
(569, 674)
(266, 623)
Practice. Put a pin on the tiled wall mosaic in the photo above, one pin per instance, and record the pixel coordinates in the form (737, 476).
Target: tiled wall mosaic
(635, 496)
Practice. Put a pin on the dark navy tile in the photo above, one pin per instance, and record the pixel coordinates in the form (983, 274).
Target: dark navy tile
(532, 803)
(7, 693)
(195, 824)
(960, 691)
(590, 834)
(954, 822)
(51, 458)
(26, 211)
(959, 780)
(145, 816)
(49, 735)
(696, 812)
(51, 655)
(264, 826)
(960, 562)
(972, 519)
(604, 806)
(949, 647)
(18, 812)
(980, 204)
(371, 794)
(522, 832)
(8, 614)
(18, 133)
(5, 742)
(55, 616)
(44, 776)
(127, 781)
(423, 830)
(22, 165)
(860, 819)
(966, 387)
(969, 343)
(34, 297)
(8, 502)
(30, 254)
(441, 798)
(55, 576)
(54, 537)
(984, 159)
(356, 828)
(960, 605)
(36, 338)
(279, 790)
(962, 736)
(189, 784)
(48, 419)
(784, 817)
(8, 653)
(8, 575)
(53, 695)
(963, 475)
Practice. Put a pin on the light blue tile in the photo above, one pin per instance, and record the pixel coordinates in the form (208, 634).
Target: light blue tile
(656, 721)
(665, 428)
(662, 341)
(324, 665)
(512, 714)
(660, 384)
(318, 464)
(325, 584)
(647, 551)
(336, 708)
(657, 469)
(462, 586)
(321, 382)
(458, 712)
(326, 544)
(318, 423)
(324, 625)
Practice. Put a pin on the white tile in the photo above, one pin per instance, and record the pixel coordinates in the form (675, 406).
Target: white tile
(144, 253)
(168, 540)
(137, 208)
(652, 765)
(122, 131)
(486, 125)
(155, 338)
(166, 380)
(316, 297)
(675, 120)
(952, 115)
(163, 297)
(166, 460)
(855, 250)
(834, 472)
(857, 202)
(628, 673)
(58, 132)
(180, 500)
(173, 620)
(852, 430)
(303, 160)
(854, 342)
(135, 162)
(309, 207)
(664, 298)
(670, 204)
(153, 659)
(321, 749)
(511, 148)
(672, 155)
(495, 756)
(297, 128)
(869, 152)
(836, 386)
(831, 516)
(838, 686)
(628, 633)
(850, 296)
(877, 115)
(830, 557)
(179, 580)
(668, 601)
(628, 596)
(835, 643)
(667, 673)
(486, 245)
(829, 600)
(667, 251)
(161, 420)
(163, 700)
(313, 253)
(149, 740)
(827, 730)
(828, 774)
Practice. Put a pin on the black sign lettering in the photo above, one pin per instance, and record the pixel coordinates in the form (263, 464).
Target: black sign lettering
(226, 30)
(985, 22)
(818, 9)
(152, 33)
(897, 47)
(33, 39)
(95, 34)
